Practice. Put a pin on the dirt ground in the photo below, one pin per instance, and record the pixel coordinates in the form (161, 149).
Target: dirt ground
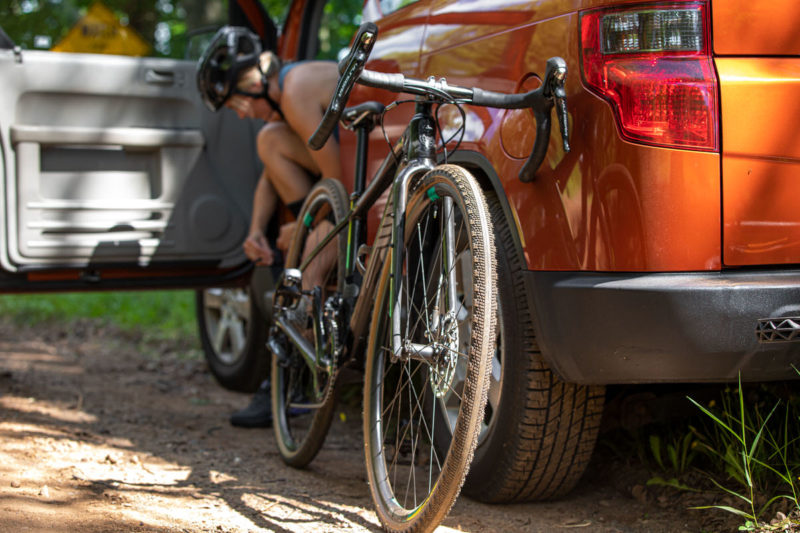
(99, 432)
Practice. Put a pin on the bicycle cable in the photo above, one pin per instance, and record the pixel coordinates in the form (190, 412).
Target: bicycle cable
(460, 131)
(462, 128)
(383, 126)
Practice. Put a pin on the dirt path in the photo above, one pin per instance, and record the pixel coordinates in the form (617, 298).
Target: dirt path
(100, 433)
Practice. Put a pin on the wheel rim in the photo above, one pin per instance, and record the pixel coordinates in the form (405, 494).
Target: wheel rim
(227, 316)
(296, 417)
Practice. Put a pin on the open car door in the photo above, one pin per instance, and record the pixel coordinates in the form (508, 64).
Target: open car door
(113, 170)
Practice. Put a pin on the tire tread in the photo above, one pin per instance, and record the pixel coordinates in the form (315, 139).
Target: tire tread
(556, 422)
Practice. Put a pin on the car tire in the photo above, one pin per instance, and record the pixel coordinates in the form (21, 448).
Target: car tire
(540, 431)
(233, 336)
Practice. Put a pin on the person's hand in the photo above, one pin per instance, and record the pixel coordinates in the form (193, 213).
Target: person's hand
(242, 105)
(257, 249)
(285, 235)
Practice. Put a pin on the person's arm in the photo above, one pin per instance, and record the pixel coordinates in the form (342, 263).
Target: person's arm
(256, 246)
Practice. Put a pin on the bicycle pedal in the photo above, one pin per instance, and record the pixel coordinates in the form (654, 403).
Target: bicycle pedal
(289, 290)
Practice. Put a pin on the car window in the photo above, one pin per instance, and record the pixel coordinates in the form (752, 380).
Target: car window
(340, 20)
(390, 6)
(155, 28)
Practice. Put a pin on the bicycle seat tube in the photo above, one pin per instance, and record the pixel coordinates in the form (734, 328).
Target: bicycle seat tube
(355, 231)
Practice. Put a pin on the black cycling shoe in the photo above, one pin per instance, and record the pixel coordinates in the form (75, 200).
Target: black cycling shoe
(258, 414)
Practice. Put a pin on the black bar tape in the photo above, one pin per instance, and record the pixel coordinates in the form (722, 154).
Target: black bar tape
(380, 80)
(499, 100)
(528, 171)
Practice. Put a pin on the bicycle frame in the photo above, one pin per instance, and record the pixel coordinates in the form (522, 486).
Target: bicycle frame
(418, 146)
(431, 358)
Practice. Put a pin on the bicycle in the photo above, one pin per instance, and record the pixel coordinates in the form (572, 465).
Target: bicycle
(429, 338)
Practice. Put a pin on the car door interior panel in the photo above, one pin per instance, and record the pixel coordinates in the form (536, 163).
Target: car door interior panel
(109, 161)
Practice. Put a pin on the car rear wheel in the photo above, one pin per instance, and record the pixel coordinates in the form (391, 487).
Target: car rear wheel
(233, 335)
(539, 432)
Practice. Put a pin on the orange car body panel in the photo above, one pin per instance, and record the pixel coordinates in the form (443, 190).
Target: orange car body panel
(289, 40)
(748, 28)
(760, 160)
(608, 205)
(612, 205)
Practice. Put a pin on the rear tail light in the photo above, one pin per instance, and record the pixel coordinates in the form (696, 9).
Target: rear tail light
(654, 66)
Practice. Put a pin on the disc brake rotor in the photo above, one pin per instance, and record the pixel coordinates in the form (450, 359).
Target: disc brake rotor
(444, 369)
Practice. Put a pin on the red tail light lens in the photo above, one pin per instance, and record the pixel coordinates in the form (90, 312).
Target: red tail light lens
(654, 66)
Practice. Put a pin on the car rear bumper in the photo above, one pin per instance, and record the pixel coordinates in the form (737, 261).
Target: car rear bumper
(665, 327)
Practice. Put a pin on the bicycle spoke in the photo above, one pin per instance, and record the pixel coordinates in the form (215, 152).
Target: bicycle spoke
(411, 428)
(430, 458)
(399, 392)
(428, 301)
(419, 271)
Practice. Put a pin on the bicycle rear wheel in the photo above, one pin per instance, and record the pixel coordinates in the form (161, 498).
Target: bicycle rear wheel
(302, 394)
(421, 423)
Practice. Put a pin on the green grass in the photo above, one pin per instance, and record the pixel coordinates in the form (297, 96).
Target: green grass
(153, 314)
(754, 455)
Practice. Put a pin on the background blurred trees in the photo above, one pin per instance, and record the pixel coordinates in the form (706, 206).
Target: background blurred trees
(161, 23)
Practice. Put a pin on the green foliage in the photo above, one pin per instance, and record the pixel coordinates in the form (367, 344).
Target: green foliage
(754, 454)
(674, 455)
(155, 314)
(162, 23)
(340, 20)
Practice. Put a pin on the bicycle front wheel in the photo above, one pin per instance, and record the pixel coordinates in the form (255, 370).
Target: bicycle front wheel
(302, 393)
(421, 418)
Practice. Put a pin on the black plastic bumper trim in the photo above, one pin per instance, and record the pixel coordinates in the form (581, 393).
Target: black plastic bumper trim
(664, 327)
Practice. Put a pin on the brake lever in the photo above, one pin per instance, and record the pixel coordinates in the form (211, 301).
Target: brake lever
(560, 94)
(350, 69)
(554, 95)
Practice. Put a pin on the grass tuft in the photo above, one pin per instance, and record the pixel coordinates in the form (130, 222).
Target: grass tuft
(754, 455)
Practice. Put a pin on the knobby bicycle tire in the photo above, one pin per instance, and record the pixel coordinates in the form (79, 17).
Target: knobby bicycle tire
(400, 434)
(301, 412)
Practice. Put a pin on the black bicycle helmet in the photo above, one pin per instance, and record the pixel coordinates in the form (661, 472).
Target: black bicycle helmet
(232, 50)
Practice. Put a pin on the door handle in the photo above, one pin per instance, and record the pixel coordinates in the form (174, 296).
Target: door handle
(159, 77)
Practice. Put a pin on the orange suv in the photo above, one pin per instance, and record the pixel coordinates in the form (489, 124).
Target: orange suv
(663, 247)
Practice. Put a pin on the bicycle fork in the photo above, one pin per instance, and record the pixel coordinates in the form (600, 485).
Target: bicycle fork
(445, 306)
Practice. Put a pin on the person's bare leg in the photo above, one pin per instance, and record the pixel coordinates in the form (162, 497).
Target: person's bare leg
(287, 160)
(288, 165)
(317, 271)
